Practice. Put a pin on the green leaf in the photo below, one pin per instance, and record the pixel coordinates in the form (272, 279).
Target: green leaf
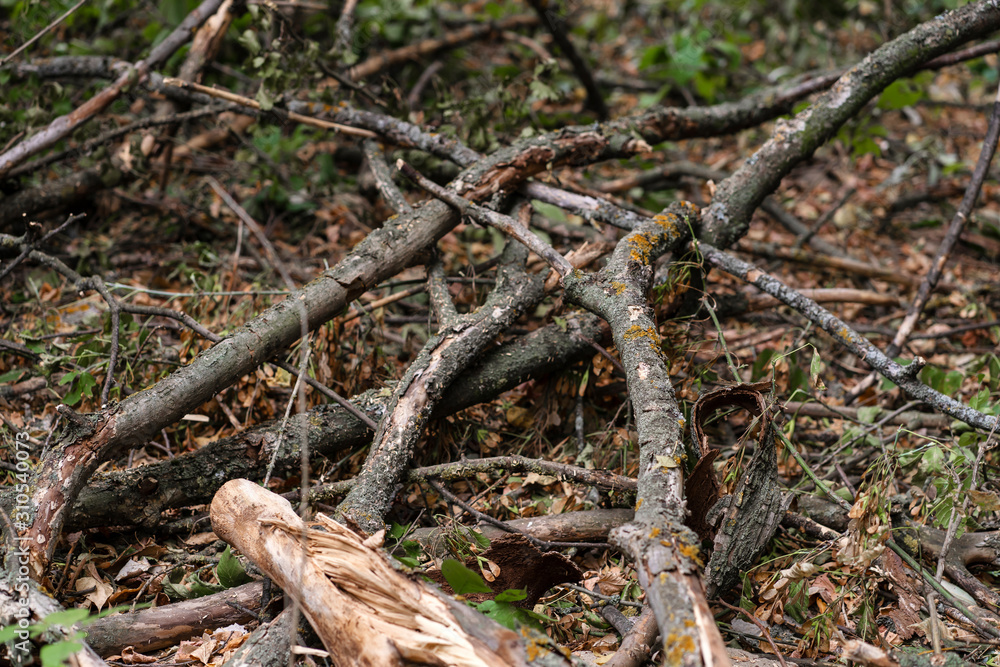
(230, 570)
(503, 613)
(868, 413)
(797, 605)
(66, 617)
(480, 539)
(265, 99)
(195, 587)
(512, 595)
(11, 376)
(549, 211)
(56, 655)
(761, 365)
(815, 368)
(900, 93)
(461, 579)
(249, 41)
(654, 55)
(8, 633)
(952, 382)
(994, 373)
(932, 376)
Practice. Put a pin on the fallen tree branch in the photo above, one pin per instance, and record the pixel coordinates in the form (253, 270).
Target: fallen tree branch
(904, 376)
(166, 625)
(64, 125)
(947, 244)
(728, 216)
(442, 359)
(364, 610)
(139, 496)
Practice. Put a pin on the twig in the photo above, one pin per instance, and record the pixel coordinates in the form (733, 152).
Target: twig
(544, 545)
(441, 302)
(556, 25)
(383, 178)
(497, 466)
(816, 480)
(942, 591)
(138, 73)
(44, 31)
(763, 629)
(947, 244)
(329, 393)
(385, 301)
(823, 219)
(107, 137)
(257, 230)
(413, 98)
(504, 223)
(343, 29)
(430, 46)
(904, 377)
(254, 104)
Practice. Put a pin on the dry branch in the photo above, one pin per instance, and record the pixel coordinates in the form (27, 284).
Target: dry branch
(958, 223)
(442, 359)
(664, 550)
(64, 125)
(365, 611)
(904, 376)
(381, 254)
(159, 627)
(139, 496)
(736, 198)
(431, 46)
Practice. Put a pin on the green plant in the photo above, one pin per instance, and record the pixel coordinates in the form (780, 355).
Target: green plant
(229, 572)
(501, 609)
(56, 653)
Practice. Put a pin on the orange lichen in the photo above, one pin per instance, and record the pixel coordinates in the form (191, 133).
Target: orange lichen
(635, 331)
(676, 648)
(691, 551)
(641, 246)
(533, 649)
(618, 287)
(666, 220)
(653, 533)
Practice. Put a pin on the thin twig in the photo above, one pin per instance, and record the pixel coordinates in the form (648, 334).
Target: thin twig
(544, 545)
(903, 376)
(947, 244)
(254, 104)
(44, 31)
(763, 629)
(504, 223)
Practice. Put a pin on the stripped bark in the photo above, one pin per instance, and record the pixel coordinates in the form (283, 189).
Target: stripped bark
(441, 361)
(364, 610)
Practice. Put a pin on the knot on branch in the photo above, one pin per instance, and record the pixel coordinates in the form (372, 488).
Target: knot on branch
(910, 372)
